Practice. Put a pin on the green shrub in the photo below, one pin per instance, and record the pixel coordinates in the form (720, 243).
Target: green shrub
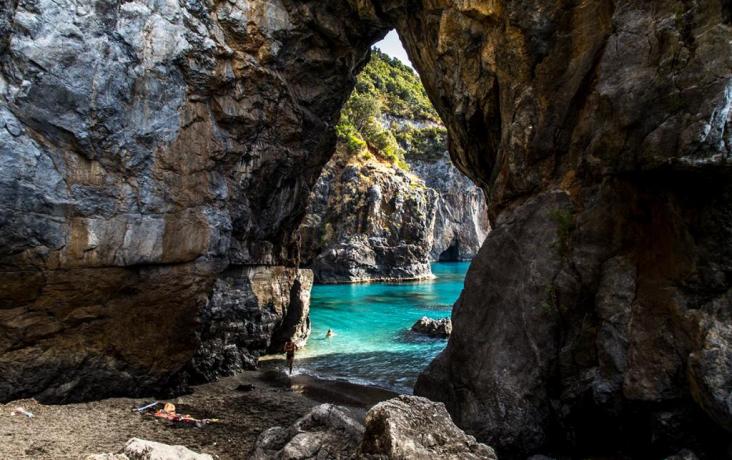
(386, 87)
(565, 226)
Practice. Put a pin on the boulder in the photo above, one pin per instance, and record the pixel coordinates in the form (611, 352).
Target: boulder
(415, 428)
(433, 327)
(402, 428)
(141, 449)
(683, 454)
(327, 431)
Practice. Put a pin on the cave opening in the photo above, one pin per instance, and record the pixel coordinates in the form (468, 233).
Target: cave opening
(452, 253)
(390, 227)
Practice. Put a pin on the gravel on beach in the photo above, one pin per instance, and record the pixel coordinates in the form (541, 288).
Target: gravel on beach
(73, 431)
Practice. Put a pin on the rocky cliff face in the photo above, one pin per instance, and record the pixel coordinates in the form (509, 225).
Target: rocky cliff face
(592, 320)
(461, 215)
(368, 220)
(390, 201)
(155, 158)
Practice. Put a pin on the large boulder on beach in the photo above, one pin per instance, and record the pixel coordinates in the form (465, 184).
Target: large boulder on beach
(141, 449)
(411, 428)
(433, 327)
(327, 431)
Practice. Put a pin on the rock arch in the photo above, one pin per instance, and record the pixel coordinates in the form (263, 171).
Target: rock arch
(156, 158)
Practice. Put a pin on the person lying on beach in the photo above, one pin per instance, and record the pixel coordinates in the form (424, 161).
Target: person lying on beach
(290, 348)
(329, 334)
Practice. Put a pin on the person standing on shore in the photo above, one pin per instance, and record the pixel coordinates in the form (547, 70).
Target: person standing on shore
(290, 348)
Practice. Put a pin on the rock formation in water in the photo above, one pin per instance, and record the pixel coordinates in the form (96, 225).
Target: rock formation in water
(433, 327)
(147, 149)
(389, 201)
(368, 220)
(155, 160)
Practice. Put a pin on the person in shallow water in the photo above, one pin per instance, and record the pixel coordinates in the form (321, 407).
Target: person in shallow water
(290, 348)
(329, 334)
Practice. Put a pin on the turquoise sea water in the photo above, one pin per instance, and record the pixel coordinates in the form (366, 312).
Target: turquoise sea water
(373, 344)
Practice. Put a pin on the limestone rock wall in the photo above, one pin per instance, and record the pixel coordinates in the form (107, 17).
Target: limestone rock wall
(144, 148)
(368, 220)
(461, 214)
(251, 309)
(601, 133)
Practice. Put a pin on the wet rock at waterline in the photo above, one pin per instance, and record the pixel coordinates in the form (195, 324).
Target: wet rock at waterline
(433, 327)
(406, 427)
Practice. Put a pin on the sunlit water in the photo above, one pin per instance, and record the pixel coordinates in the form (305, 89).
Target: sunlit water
(373, 344)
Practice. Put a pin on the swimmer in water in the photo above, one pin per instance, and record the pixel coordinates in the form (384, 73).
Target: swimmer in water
(329, 334)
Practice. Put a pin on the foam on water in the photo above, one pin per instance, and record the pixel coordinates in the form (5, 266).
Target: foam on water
(373, 344)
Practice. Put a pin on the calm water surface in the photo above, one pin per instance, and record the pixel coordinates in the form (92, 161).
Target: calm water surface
(373, 344)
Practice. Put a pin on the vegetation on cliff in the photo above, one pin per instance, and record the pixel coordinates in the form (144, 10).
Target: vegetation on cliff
(390, 115)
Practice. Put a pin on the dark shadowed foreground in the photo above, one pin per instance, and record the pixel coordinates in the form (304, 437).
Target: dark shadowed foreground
(76, 430)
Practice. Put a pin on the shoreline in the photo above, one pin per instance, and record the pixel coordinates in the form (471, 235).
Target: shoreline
(73, 431)
(414, 279)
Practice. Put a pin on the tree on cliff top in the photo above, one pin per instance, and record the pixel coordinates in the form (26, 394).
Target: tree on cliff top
(390, 114)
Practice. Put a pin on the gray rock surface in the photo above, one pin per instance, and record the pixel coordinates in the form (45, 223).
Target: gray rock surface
(367, 221)
(414, 428)
(327, 431)
(601, 134)
(461, 214)
(403, 428)
(251, 308)
(150, 153)
(147, 146)
(141, 449)
(433, 327)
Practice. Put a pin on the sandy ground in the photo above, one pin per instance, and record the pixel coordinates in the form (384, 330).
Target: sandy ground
(73, 431)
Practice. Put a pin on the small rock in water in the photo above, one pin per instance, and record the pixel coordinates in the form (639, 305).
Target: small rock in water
(412, 427)
(433, 327)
